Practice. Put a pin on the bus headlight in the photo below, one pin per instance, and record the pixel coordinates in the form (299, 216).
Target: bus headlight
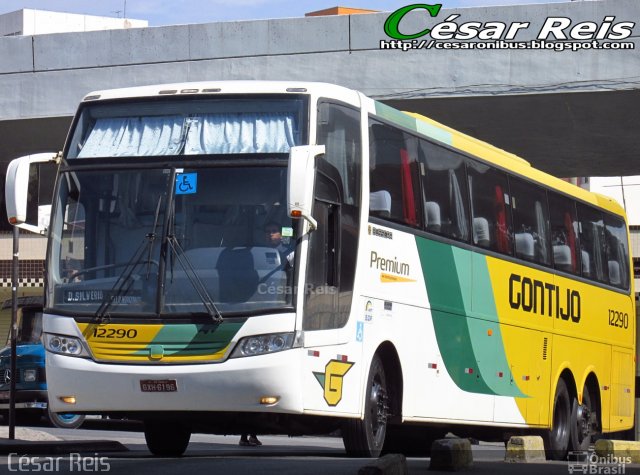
(64, 345)
(29, 375)
(263, 344)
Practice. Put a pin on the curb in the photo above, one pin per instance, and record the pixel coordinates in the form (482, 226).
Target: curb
(23, 447)
(451, 455)
(627, 449)
(390, 464)
(525, 449)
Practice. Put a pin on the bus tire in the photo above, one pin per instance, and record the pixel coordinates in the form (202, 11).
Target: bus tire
(165, 439)
(365, 437)
(580, 421)
(64, 420)
(557, 439)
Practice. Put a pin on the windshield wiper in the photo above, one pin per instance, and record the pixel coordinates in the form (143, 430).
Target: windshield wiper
(126, 279)
(171, 241)
(196, 282)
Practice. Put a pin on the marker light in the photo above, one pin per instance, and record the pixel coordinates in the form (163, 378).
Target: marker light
(269, 400)
(68, 399)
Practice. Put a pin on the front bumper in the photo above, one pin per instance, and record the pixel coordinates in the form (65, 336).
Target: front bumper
(25, 399)
(236, 385)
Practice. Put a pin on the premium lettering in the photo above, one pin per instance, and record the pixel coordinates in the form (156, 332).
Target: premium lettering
(388, 265)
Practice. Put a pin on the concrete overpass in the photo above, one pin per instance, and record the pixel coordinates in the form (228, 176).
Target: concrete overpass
(569, 113)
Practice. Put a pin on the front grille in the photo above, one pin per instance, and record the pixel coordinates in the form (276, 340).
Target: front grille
(5, 376)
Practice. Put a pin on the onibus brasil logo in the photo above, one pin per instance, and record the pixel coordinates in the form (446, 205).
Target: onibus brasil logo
(557, 28)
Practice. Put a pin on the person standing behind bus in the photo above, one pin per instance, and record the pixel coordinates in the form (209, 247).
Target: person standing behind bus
(249, 440)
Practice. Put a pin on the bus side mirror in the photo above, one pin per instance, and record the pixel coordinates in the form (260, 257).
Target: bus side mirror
(300, 181)
(20, 193)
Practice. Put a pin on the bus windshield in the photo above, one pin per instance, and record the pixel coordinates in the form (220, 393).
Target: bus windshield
(192, 126)
(144, 241)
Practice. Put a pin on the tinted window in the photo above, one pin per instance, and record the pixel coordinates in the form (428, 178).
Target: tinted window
(530, 221)
(339, 132)
(394, 175)
(445, 192)
(490, 208)
(617, 249)
(592, 243)
(564, 234)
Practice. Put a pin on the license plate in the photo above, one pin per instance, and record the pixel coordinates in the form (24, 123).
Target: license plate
(158, 385)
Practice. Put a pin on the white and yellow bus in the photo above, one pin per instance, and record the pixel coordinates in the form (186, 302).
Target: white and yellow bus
(417, 282)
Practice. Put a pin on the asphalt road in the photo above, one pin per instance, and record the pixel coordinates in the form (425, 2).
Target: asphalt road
(280, 455)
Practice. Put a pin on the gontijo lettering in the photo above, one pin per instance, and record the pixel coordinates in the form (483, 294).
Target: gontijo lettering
(536, 296)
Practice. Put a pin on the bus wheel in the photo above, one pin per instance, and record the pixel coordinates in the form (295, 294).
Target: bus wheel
(64, 420)
(365, 438)
(557, 439)
(581, 422)
(166, 440)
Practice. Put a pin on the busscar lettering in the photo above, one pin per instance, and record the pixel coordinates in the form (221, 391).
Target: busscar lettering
(543, 298)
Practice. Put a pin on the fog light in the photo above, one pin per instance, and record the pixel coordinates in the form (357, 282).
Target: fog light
(29, 375)
(269, 400)
(68, 399)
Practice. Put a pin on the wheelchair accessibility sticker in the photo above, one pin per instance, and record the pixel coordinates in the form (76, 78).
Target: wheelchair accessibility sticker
(186, 183)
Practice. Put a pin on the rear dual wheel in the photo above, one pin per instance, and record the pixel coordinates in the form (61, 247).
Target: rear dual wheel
(572, 423)
(556, 440)
(581, 421)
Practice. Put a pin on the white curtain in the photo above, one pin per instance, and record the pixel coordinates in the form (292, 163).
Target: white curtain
(134, 137)
(205, 134)
(240, 133)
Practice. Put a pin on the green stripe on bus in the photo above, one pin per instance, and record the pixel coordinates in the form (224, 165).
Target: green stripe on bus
(487, 341)
(193, 340)
(448, 312)
(411, 123)
(474, 357)
(434, 132)
(395, 116)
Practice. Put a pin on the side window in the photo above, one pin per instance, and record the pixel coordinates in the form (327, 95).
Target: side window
(72, 253)
(592, 243)
(617, 249)
(339, 132)
(394, 175)
(564, 234)
(445, 191)
(490, 208)
(530, 221)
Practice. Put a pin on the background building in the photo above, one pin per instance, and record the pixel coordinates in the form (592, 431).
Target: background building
(39, 22)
